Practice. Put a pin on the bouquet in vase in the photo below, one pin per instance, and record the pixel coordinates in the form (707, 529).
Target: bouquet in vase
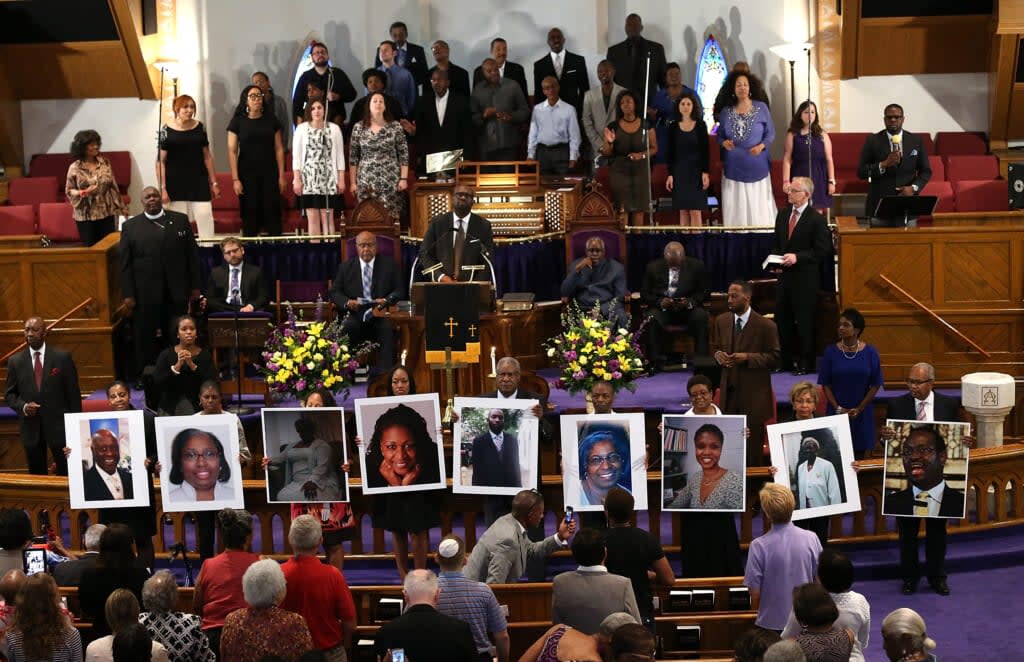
(592, 349)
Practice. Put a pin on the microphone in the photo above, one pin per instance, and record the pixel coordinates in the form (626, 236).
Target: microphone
(897, 143)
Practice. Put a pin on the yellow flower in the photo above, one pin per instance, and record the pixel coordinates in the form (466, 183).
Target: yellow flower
(583, 360)
(325, 373)
(587, 349)
(572, 336)
(607, 376)
(289, 341)
(598, 372)
(574, 366)
(603, 351)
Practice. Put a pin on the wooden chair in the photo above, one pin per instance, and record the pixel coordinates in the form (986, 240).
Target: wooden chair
(302, 295)
(370, 215)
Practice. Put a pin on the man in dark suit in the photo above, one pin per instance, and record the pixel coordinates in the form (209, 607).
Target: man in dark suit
(69, 573)
(922, 403)
(159, 273)
(629, 57)
(410, 56)
(496, 454)
(674, 289)
(510, 70)
(893, 161)
(803, 241)
(441, 121)
(455, 240)
(105, 481)
(594, 279)
(423, 632)
(569, 68)
(458, 78)
(337, 87)
(42, 386)
(364, 283)
(746, 345)
(236, 285)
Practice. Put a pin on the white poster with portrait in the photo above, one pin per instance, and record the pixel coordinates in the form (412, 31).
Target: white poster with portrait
(199, 463)
(814, 458)
(599, 452)
(926, 469)
(107, 463)
(402, 448)
(496, 444)
(703, 461)
(305, 448)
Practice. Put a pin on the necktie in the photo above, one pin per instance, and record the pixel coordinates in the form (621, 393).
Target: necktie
(921, 504)
(558, 65)
(39, 370)
(792, 222)
(737, 329)
(367, 281)
(460, 243)
(236, 293)
(400, 58)
(673, 282)
(922, 414)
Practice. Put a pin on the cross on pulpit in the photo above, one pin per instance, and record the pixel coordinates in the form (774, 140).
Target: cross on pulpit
(451, 324)
(472, 330)
(449, 368)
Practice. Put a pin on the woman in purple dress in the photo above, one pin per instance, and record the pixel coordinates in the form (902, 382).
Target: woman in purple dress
(745, 132)
(851, 374)
(822, 171)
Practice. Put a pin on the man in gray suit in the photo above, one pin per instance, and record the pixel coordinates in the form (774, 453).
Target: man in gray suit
(585, 597)
(600, 108)
(499, 557)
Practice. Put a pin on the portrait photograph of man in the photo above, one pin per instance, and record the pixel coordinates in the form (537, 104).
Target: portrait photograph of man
(602, 451)
(925, 470)
(106, 462)
(496, 446)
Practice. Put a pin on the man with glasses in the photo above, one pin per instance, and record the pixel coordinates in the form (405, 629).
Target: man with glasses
(893, 161)
(333, 80)
(924, 455)
(803, 241)
(456, 240)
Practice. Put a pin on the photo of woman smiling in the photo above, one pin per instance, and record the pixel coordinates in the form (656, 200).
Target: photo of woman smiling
(604, 464)
(198, 464)
(401, 451)
(713, 468)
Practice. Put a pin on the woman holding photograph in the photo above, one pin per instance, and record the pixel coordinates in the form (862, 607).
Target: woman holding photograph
(406, 444)
(199, 469)
(309, 474)
(712, 486)
(604, 464)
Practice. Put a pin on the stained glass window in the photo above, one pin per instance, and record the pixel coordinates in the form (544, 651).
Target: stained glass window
(711, 73)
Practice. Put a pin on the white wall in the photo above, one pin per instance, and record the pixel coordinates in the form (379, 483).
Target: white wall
(950, 102)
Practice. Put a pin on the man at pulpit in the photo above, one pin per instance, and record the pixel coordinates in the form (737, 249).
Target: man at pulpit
(456, 241)
(236, 284)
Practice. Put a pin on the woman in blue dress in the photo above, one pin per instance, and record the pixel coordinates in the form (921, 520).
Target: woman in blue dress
(850, 375)
(805, 126)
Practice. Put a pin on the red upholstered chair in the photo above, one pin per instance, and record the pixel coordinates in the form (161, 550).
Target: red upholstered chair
(52, 165)
(948, 143)
(926, 142)
(846, 147)
(57, 222)
(659, 175)
(781, 199)
(17, 219)
(33, 191)
(988, 195)
(944, 192)
(227, 214)
(973, 167)
(121, 164)
(938, 166)
(95, 404)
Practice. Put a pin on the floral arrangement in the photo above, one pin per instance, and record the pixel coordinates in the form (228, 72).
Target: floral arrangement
(300, 358)
(591, 349)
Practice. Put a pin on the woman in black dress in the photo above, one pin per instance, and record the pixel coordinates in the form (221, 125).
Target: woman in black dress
(688, 162)
(180, 370)
(256, 155)
(625, 142)
(185, 170)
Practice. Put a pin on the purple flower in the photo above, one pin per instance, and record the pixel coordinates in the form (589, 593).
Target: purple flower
(570, 355)
(600, 343)
(288, 333)
(616, 375)
(614, 364)
(580, 375)
(271, 366)
(300, 385)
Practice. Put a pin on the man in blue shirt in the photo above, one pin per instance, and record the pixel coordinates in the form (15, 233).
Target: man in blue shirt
(401, 85)
(554, 132)
(470, 601)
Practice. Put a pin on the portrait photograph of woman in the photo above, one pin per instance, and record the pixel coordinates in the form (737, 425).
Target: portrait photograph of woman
(707, 472)
(106, 463)
(497, 446)
(306, 449)
(813, 457)
(401, 449)
(199, 466)
(600, 452)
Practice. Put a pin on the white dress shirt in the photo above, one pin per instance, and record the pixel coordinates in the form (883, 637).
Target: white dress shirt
(441, 104)
(929, 407)
(934, 497)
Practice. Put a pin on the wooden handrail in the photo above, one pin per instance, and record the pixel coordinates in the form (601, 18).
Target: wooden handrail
(928, 311)
(55, 322)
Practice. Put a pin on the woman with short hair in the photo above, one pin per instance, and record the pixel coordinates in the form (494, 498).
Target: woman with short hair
(263, 628)
(188, 182)
(820, 638)
(179, 632)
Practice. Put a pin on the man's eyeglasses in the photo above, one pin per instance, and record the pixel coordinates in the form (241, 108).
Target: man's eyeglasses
(894, 117)
(598, 460)
(918, 382)
(918, 451)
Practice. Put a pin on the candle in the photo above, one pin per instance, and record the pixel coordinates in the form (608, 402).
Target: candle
(494, 364)
(405, 352)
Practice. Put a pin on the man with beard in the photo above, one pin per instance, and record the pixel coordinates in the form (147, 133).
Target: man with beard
(442, 120)
(894, 161)
(456, 239)
(105, 481)
(332, 79)
(510, 70)
(496, 454)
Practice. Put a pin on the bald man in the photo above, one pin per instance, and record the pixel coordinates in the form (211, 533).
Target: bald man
(105, 480)
(674, 289)
(364, 284)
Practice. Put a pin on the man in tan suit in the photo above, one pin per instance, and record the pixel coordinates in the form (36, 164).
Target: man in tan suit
(746, 345)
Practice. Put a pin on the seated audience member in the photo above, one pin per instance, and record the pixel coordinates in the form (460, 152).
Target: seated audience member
(10, 586)
(674, 289)
(122, 611)
(893, 161)
(41, 631)
(375, 82)
(15, 536)
(632, 642)
(820, 638)
(835, 573)
(586, 596)
(316, 591)
(785, 651)
(236, 284)
(180, 633)
(367, 282)
(500, 553)
(904, 637)
(561, 642)
(780, 560)
(339, 90)
(499, 109)
(70, 573)
(218, 589)
(180, 370)
(116, 567)
(752, 644)
(422, 631)
(470, 601)
(597, 280)
(132, 644)
(458, 78)
(634, 553)
(263, 628)
(442, 121)
(554, 138)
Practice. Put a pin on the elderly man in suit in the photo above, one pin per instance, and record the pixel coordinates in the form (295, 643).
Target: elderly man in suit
(803, 240)
(630, 60)
(674, 289)
(596, 280)
(455, 240)
(42, 386)
(923, 403)
(423, 632)
(570, 69)
(441, 121)
(510, 70)
(159, 273)
(586, 596)
(894, 161)
(458, 78)
(496, 454)
(500, 556)
(364, 283)
(600, 107)
(69, 573)
(236, 285)
(746, 345)
(105, 481)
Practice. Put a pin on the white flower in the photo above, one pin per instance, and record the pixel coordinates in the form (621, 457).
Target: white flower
(551, 351)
